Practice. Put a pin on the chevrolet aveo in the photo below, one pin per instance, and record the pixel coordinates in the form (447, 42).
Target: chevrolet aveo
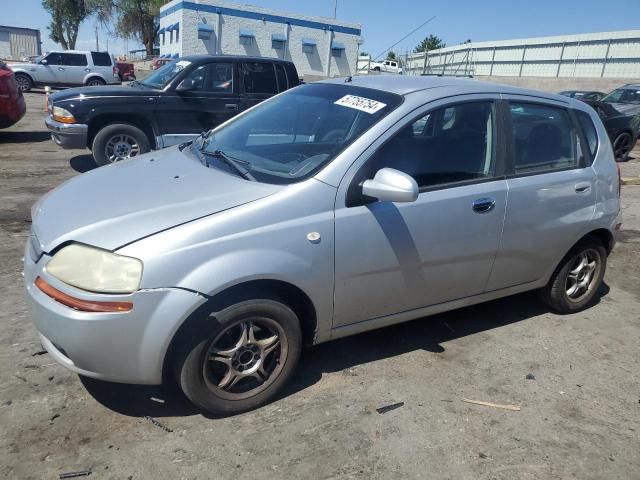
(330, 209)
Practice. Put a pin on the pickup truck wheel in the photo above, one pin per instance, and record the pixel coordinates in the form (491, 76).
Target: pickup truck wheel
(23, 82)
(119, 141)
(95, 82)
(239, 358)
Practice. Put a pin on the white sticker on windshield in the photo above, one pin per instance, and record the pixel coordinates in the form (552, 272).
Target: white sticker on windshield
(361, 103)
(182, 64)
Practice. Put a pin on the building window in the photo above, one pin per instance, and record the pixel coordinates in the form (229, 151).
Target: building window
(246, 36)
(204, 31)
(278, 41)
(337, 49)
(308, 45)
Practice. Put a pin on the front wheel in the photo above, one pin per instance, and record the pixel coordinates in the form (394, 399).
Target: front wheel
(241, 358)
(23, 82)
(578, 277)
(119, 141)
(622, 146)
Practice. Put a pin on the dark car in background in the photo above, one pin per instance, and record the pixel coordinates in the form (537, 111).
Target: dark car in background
(12, 104)
(174, 104)
(623, 129)
(583, 94)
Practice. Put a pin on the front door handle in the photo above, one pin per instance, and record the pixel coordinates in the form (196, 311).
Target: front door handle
(61, 69)
(231, 106)
(483, 205)
(583, 187)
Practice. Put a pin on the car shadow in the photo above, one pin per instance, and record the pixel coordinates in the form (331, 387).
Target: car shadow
(83, 163)
(428, 334)
(24, 137)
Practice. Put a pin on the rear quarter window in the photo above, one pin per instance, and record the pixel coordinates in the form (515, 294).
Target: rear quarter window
(589, 130)
(101, 59)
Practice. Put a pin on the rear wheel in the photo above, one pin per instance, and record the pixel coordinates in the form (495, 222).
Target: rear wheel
(241, 357)
(95, 82)
(119, 141)
(578, 277)
(23, 82)
(622, 146)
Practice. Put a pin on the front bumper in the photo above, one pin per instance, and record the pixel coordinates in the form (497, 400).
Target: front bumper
(67, 135)
(126, 347)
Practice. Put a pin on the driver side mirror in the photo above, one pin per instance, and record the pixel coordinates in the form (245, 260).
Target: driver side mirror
(391, 185)
(44, 61)
(186, 85)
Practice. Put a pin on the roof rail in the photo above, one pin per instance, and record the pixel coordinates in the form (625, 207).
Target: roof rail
(444, 75)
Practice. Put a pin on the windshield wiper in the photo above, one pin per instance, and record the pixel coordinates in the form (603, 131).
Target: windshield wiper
(235, 164)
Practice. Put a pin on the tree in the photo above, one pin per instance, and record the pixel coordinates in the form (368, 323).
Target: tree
(134, 19)
(66, 17)
(432, 42)
(391, 55)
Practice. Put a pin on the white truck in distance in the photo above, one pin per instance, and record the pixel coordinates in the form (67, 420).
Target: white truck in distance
(70, 68)
(390, 66)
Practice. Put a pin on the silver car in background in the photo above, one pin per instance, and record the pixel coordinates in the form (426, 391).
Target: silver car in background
(331, 209)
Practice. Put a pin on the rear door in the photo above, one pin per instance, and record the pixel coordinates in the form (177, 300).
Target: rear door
(257, 82)
(213, 100)
(76, 66)
(551, 190)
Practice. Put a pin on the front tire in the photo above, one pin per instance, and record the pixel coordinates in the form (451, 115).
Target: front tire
(577, 279)
(622, 146)
(119, 141)
(240, 357)
(23, 82)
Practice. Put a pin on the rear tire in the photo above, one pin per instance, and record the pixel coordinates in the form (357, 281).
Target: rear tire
(577, 279)
(119, 141)
(95, 82)
(239, 358)
(622, 146)
(24, 82)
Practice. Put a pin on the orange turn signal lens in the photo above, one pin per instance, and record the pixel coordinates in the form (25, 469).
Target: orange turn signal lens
(60, 119)
(81, 305)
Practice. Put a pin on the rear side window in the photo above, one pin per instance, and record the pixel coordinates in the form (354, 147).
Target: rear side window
(282, 77)
(589, 130)
(101, 59)
(543, 139)
(258, 77)
(74, 59)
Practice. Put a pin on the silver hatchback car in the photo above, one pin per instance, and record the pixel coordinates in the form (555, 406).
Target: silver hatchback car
(330, 209)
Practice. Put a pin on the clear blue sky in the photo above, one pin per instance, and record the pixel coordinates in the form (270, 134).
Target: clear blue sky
(383, 23)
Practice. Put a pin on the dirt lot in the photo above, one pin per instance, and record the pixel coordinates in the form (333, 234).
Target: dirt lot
(579, 418)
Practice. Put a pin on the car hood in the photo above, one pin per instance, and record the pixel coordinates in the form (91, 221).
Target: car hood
(115, 205)
(105, 91)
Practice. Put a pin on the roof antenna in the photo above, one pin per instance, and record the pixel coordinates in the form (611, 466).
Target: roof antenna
(349, 79)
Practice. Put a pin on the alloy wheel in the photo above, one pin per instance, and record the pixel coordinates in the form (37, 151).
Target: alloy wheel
(245, 358)
(22, 83)
(121, 146)
(582, 275)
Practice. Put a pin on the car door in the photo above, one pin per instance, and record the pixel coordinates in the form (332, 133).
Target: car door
(212, 99)
(53, 71)
(257, 82)
(397, 257)
(75, 68)
(551, 190)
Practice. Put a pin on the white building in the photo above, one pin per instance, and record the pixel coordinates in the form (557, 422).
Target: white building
(316, 45)
(18, 43)
(605, 54)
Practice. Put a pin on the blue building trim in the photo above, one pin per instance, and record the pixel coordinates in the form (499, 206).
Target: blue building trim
(233, 12)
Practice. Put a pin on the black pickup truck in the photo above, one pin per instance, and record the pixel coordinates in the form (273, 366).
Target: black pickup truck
(173, 104)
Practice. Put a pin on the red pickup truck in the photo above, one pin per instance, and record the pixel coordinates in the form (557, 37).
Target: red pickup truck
(126, 71)
(12, 105)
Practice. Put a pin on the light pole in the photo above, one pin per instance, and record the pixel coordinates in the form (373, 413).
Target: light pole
(335, 8)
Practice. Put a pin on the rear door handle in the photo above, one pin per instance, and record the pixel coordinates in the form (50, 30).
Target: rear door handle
(483, 205)
(583, 187)
(231, 106)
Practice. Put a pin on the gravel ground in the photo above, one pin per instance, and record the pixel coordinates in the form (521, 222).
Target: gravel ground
(579, 417)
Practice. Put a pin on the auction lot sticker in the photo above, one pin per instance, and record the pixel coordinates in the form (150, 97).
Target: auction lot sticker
(360, 103)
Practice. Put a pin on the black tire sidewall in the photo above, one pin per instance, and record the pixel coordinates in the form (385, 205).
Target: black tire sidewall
(100, 82)
(625, 156)
(555, 294)
(189, 361)
(99, 141)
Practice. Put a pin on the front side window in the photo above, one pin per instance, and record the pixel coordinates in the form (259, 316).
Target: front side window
(213, 78)
(54, 59)
(448, 145)
(543, 138)
(259, 77)
(290, 137)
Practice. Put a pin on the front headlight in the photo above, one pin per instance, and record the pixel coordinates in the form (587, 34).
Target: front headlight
(95, 270)
(62, 115)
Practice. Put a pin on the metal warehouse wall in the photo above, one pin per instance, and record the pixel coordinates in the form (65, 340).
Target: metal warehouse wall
(229, 20)
(17, 43)
(606, 54)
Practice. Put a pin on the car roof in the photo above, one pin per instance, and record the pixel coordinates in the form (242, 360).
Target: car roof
(243, 58)
(406, 84)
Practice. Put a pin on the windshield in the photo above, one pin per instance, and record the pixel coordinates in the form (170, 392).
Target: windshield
(161, 77)
(290, 137)
(623, 95)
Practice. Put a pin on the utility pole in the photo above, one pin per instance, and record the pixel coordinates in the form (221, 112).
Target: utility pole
(335, 8)
(97, 42)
